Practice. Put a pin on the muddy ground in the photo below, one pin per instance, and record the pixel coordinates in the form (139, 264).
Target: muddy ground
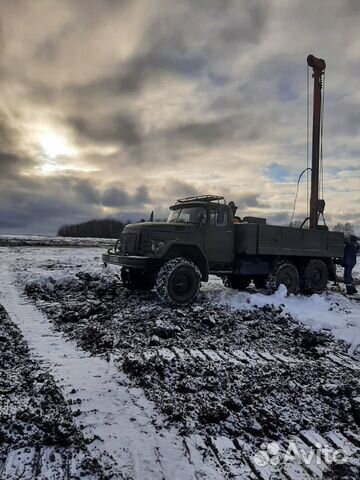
(256, 375)
(33, 411)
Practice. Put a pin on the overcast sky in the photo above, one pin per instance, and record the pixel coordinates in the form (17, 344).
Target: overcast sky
(113, 108)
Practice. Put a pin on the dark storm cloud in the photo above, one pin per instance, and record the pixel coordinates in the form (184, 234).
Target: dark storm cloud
(343, 118)
(119, 128)
(168, 47)
(125, 80)
(90, 12)
(176, 188)
(9, 163)
(8, 134)
(205, 133)
(27, 202)
(130, 77)
(250, 200)
(245, 22)
(142, 195)
(234, 127)
(2, 40)
(351, 7)
(117, 197)
(36, 218)
(62, 187)
(39, 204)
(251, 30)
(47, 51)
(12, 158)
(88, 192)
(281, 218)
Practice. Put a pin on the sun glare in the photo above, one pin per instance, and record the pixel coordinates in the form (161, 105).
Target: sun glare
(55, 149)
(56, 153)
(54, 145)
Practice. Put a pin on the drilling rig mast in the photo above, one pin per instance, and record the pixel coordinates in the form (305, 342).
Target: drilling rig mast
(316, 205)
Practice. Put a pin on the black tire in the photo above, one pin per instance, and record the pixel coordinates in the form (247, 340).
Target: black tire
(315, 277)
(284, 273)
(260, 282)
(134, 279)
(236, 281)
(178, 281)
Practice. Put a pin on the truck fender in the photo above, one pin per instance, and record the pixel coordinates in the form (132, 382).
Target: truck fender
(192, 252)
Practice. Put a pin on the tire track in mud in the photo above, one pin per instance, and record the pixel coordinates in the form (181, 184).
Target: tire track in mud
(116, 420)
(232, 457)
(29, 463)
(38, 438)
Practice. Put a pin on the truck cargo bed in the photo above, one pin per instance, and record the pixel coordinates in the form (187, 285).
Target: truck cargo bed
(259, 239)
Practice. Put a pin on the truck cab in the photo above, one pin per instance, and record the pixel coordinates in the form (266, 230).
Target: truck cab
(213, 222)
(199, 230)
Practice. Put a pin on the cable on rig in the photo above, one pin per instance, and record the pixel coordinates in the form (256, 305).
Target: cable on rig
(307, 169)
(321, 141)
(297, 192)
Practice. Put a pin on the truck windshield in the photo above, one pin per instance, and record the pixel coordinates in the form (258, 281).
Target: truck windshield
(187, 215)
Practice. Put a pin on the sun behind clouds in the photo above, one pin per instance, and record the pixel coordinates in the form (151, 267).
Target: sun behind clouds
(55, 145)
(57, 152)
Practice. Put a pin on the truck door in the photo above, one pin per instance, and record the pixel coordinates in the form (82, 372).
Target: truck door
(219, 237)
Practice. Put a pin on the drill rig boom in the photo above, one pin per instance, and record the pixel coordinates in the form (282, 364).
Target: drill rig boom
(316, 206)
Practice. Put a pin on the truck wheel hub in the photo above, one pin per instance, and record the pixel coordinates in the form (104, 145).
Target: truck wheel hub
(181, 283)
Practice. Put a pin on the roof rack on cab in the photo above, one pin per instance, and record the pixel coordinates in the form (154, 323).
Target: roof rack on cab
(202, 198)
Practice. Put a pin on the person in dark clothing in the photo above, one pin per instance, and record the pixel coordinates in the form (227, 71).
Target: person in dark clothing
(350, 251)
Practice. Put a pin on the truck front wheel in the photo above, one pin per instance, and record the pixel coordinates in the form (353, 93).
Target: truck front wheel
(178, 281)
(134, 279)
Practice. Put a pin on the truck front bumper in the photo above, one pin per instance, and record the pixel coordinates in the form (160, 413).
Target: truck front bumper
(131, 261)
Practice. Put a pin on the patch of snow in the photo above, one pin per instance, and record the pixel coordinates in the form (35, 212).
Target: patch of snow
(330, 311)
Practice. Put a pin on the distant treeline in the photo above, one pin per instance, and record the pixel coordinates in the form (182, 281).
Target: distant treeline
(107, 228)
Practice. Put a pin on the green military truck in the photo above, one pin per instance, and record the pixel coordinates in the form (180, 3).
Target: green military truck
(200, 238)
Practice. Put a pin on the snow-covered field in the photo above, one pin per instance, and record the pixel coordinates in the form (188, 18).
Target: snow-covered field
(193, 393)
(49, 241)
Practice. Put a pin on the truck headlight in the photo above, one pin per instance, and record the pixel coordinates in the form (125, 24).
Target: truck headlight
(118, 246)
(157, 246)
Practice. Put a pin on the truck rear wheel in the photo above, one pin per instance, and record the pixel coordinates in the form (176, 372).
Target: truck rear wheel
(236, 281)
(134, 279)
(285, 273)
(315, 276)
(178, 281)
